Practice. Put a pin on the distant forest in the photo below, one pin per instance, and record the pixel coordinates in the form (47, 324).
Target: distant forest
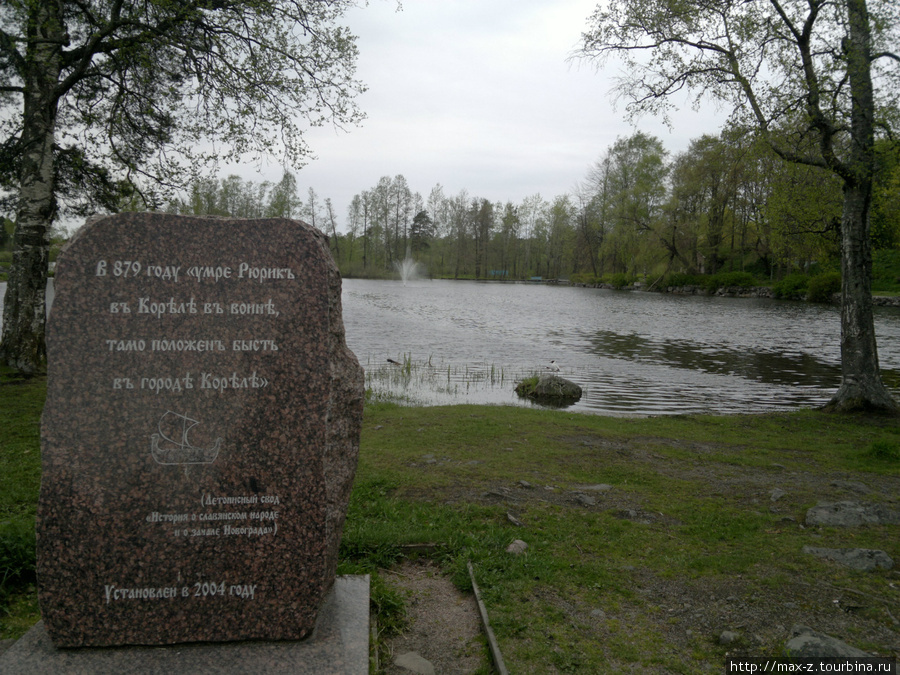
(726, 204)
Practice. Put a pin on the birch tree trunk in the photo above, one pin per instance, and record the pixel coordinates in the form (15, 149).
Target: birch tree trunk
(22, 345)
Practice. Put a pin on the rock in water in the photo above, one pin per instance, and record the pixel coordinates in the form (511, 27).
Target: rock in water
(550, 390)
(200, 434)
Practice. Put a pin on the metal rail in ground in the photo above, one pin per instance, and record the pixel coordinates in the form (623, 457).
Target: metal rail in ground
(492, 641)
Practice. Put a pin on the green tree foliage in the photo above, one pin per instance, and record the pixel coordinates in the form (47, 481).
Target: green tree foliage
(817, 79)
(481, 217)
(804, 210)
(388, 209)
(710, 173)
(727, 204)
(103, 100)
(630, 183)
(238, 198)
(886, 197)
(283, 201)
(421, 232)
(726, 198)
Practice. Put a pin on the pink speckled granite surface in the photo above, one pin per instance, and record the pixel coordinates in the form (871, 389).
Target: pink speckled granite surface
(339, 645)
(154, 531)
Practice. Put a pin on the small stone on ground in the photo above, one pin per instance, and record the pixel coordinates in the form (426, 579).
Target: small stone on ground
(599, 487)
(809, 644)
(859, 559)
(414, 664)
(851, 514)
(584, 500)
(517, 547)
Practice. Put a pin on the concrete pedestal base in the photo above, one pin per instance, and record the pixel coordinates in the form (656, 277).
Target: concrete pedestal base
(338, 646)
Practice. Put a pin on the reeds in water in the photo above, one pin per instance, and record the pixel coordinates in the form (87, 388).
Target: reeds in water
(430, 381)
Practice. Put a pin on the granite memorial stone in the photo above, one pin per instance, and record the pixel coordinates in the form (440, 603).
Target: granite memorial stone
(200, 434)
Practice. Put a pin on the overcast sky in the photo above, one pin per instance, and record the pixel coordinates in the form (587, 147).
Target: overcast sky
(480, 96)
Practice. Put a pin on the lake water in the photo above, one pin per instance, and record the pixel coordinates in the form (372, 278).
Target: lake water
(633, 353)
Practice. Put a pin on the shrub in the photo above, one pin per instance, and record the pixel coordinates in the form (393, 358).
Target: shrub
(582, 278)
(792, 286)
(823, 286)
(730, 279)
(619, 280)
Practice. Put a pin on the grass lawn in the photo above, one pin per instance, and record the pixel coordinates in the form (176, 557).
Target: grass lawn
(647, 538)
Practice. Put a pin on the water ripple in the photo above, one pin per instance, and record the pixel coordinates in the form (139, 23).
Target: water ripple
(633, 353)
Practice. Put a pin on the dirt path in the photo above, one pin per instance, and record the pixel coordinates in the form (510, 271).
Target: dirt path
(444, 626)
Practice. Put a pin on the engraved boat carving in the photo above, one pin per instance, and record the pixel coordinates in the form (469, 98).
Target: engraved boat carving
(171, 444)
